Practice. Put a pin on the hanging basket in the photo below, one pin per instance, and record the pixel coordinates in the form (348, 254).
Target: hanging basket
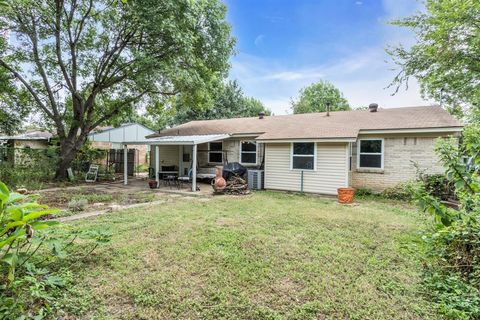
(345, 195)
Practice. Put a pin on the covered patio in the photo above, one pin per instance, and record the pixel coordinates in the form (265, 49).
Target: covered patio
(188, 140)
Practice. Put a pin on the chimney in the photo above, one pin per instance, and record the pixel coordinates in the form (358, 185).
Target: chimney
(373, 107)
(261, 115)
(328, 109)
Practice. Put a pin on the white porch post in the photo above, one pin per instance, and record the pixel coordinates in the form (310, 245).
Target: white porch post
(157, 164)
(125, 164)
(194, 168)
(180, 161)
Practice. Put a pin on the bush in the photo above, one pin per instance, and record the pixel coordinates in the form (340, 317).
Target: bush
(363, 192)
(32, 167)
(438, 186)
(30, 249)
(76, 205)
(453, 240)
(402, 191)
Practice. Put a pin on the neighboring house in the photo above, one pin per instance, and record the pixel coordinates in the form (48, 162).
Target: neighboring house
(111, 138)
(12, 148)
(373, 149)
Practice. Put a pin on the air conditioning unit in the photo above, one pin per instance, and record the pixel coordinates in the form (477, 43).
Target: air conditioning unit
(255, 179)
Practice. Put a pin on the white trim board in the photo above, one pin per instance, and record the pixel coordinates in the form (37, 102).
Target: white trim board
(382, 154)
(416, 130)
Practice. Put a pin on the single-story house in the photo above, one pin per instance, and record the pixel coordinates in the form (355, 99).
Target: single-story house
(315, 152)
(111, 138)
(13, 147)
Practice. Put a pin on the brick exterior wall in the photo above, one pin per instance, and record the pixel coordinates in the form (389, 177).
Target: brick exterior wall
(399, 154)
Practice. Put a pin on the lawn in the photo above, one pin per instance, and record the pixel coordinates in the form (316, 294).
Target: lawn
(263, 256)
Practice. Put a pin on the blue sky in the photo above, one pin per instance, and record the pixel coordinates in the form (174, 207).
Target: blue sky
(284, 45)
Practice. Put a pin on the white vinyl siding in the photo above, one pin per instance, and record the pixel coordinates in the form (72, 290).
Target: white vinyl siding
(331, 169)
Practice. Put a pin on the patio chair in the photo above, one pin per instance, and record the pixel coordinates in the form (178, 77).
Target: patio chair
(92, 174)
(170, 180)
(186, 179)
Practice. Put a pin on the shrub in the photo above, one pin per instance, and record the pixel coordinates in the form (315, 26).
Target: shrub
(438, 186)
(76, 205)
(402, 191)
(32, 167)
(363, 192)
(29, 250)
(454, 238)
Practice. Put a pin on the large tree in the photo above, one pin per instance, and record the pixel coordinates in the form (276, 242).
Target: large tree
(14, 106)
(83, 62)
(315, 97)
(229, 101)
(446, 57)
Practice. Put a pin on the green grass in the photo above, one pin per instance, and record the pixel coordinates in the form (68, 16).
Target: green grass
(264, 256)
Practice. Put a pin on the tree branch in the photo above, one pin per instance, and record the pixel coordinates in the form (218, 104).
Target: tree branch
(29, 88)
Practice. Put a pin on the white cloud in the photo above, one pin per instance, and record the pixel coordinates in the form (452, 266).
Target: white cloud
(259, 40)
(358, 3)
(362, 75)
(295, 75)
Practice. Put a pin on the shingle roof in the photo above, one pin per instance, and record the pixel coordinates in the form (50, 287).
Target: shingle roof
(340, 124)
(29, 135)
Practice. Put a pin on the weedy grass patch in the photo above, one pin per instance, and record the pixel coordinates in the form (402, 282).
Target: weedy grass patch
(264, 256)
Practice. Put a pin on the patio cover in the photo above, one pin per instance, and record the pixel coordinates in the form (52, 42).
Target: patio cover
(180, 140)
(192, 140)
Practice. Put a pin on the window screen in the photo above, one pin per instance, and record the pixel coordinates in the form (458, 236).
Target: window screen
(303, 156)
(370, 153)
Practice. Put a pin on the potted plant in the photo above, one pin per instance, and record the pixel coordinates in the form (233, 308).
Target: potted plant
(153, 184)
(345, 195)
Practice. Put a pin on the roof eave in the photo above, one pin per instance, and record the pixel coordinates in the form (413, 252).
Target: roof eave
(412, 130)
(289, 140)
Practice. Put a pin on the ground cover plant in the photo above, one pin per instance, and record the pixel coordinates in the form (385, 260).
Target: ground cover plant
(90, 198)
(265, 256)
(36, 256)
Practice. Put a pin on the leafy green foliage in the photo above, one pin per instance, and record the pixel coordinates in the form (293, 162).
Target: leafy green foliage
(76, 205)
(28, 167)
(229, 101)
(29, 246)
(14, 104)
(402, 191)
(446, 57)
(438, 186)
(19, 223)
(455, 298)
(315, 98)
(85, 62)
(454, 239)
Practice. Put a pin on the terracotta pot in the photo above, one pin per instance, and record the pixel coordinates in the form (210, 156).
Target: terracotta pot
(220, 182)
(152, 184)
(345, 195)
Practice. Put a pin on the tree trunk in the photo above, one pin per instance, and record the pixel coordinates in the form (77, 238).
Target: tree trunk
(68, 151)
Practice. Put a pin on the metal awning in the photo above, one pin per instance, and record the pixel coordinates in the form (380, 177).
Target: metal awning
(179, 140)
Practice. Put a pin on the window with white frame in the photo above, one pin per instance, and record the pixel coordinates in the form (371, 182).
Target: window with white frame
(303, 155)
(215, 152)
(248, 152)
(370, 153)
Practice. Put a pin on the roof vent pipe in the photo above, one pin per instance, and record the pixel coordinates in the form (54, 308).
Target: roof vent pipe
(261, 115)
(373, 107)
(328, 109)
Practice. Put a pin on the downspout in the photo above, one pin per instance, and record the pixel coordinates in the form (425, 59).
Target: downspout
(301, 182)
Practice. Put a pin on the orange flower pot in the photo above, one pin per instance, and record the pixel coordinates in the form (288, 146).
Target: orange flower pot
(345, 195)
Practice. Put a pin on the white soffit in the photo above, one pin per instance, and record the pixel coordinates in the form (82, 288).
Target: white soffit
(179, 140)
